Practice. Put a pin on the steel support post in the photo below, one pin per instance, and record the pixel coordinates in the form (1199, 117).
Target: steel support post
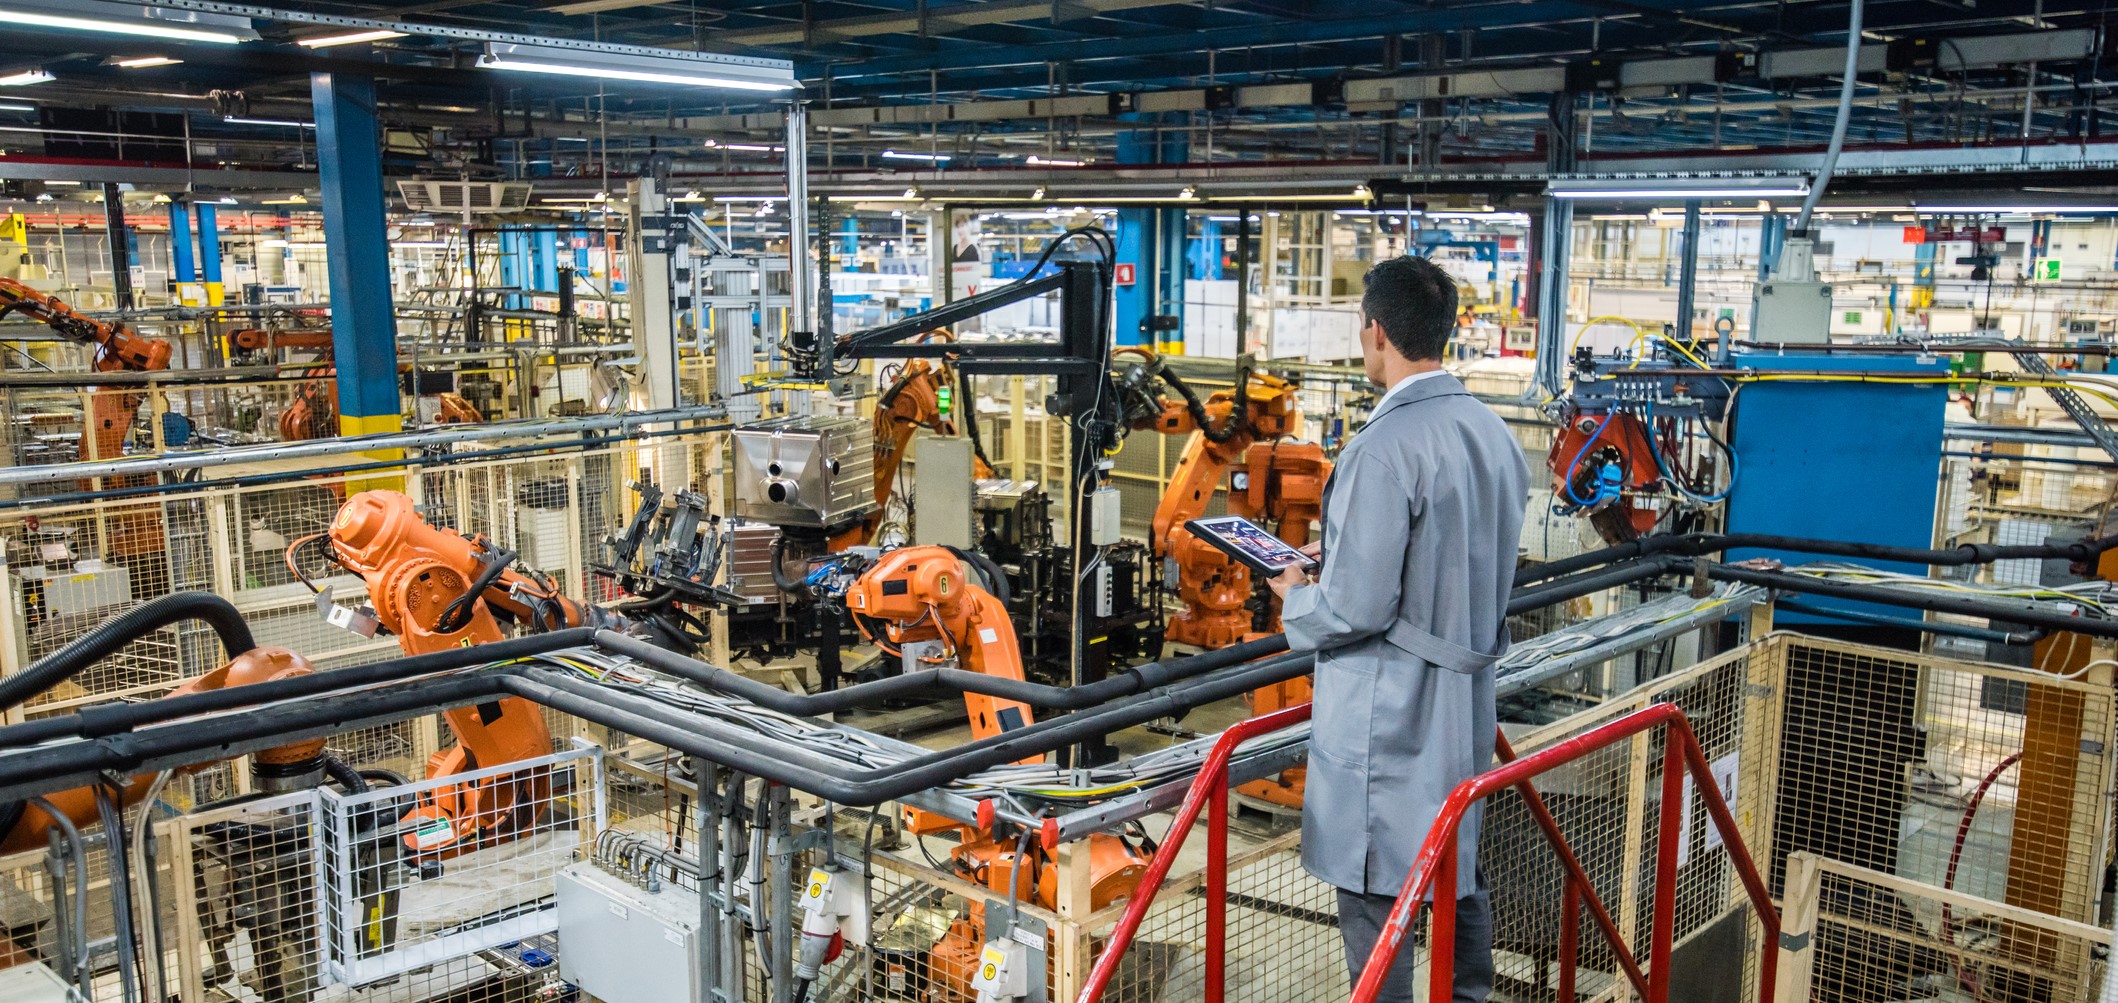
(1688, 274)
(363, 323)
(120, 245)
(209, 251)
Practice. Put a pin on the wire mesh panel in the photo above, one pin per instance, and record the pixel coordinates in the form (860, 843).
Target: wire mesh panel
(1876, 936)
(1985, 778)
(404, 889)
(248, 911)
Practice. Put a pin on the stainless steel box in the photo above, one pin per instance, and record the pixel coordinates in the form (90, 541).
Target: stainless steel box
(750, 562)
(807, 470)
(622, 943)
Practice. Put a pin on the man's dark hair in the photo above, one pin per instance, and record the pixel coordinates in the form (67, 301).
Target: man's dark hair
(1415, 302)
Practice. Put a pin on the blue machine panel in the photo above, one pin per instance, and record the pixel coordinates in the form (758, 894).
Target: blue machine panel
(1838, 460)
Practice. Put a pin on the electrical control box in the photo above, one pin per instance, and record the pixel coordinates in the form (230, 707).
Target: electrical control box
(1002, 975)
(619, 941)
(1104, 515)
(1787, 312)
(946, 483)
(813, 471)
(89, 587)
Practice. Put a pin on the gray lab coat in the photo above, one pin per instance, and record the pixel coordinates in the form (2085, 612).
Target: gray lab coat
(1422, 517)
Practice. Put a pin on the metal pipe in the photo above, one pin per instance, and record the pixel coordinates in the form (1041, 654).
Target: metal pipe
(1137, 679)
(1929, 626)
(1702, 544)
(272, 452)
(801, 263)
(1914, 599)
(1838, 127)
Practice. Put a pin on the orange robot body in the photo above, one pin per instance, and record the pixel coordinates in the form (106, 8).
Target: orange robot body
(924, 594)
(110, 412)
(1586, 445)
(254, 339)
(1279, 482)
(421, 583)
(292, 765)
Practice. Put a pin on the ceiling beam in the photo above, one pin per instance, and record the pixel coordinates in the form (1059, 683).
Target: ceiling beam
(929, 21)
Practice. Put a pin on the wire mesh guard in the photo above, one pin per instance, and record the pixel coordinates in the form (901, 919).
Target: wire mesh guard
(394, 904)
(1879, 937)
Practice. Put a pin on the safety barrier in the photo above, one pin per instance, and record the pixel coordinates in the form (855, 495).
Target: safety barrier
(1435, 867)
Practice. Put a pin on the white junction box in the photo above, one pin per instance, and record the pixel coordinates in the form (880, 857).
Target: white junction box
(620, 942)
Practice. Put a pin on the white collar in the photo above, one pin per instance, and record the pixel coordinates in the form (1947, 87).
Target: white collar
(1400, 386)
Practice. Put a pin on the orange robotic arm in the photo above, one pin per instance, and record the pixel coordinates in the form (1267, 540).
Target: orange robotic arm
(924, 594)
(912, 402)
(436, 589)
(110, 414)
(298, 764)
(252, 339)
(1213, 588)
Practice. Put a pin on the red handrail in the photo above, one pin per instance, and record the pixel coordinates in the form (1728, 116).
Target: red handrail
(1435, 866)
(1211, 787)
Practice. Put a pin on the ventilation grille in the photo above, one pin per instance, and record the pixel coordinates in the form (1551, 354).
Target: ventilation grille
(462, 196)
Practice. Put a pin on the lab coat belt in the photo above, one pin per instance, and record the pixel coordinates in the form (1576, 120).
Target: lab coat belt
(1440, 651)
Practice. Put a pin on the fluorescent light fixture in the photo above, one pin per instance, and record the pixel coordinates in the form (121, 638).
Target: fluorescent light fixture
(746, 198)
(2017, 209)
(745, 147)
(419, 243)
(1188, 194)
(573, 139)
(1363, 192)
(354, 38)
(1037, 161)
(581, 199)
(272, 242)
(661, 66)
(294, 199)
(116, 18)
(934, 158)
(1678, 189)
(69, 184)
(286, 122)
(1038, 194)
(25, 78)
(4, 106)
(143, 62)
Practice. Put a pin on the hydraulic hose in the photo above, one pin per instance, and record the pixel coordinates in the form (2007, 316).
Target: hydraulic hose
(1237, 417)
(112, 635)
(347, 777)
(1911, 599)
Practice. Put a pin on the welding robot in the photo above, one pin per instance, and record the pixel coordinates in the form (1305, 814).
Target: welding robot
(432, 588)
(111, 412)
(925, 605)
(1239, 433)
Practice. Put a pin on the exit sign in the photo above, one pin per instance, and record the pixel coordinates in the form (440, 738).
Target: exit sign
(1124, 273)
(2047, 270)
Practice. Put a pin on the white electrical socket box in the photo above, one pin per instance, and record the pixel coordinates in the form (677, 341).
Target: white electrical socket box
(1003, 973)
(1104, 515)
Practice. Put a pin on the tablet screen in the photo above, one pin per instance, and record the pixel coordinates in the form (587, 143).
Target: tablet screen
(1250, 543)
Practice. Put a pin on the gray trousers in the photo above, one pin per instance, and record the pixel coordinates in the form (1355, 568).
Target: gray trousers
(1360, 923)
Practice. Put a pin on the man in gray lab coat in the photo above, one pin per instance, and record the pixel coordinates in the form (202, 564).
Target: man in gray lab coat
(1422, 516)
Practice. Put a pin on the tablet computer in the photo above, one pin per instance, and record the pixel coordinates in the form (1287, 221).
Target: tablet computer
(1249, 544)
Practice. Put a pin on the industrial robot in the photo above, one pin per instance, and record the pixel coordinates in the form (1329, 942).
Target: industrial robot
(1637, 451)
(925, 605)
(437, 589)
(111, 412)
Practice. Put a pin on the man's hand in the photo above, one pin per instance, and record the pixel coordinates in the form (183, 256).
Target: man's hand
(1313, 550)
(1287, 580)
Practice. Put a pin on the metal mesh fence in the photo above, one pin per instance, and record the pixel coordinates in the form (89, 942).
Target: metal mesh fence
(1868, 935)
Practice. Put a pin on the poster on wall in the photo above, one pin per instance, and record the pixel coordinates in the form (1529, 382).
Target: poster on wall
(966, 262)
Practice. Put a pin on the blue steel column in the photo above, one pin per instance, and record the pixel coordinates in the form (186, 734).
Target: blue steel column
(182, 269)
(1688, 275)
(1135, 243)
(210, 253)
(363, 326)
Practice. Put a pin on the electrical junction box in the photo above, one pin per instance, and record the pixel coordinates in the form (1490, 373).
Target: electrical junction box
(1104, 515)
(89, 587)
(32, 983)
(1003, 973)
(946, 484)
(1787, 312)
(619, 942)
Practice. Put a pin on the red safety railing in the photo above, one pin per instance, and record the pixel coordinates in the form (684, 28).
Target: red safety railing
(1209, 790)
(1435, 867)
